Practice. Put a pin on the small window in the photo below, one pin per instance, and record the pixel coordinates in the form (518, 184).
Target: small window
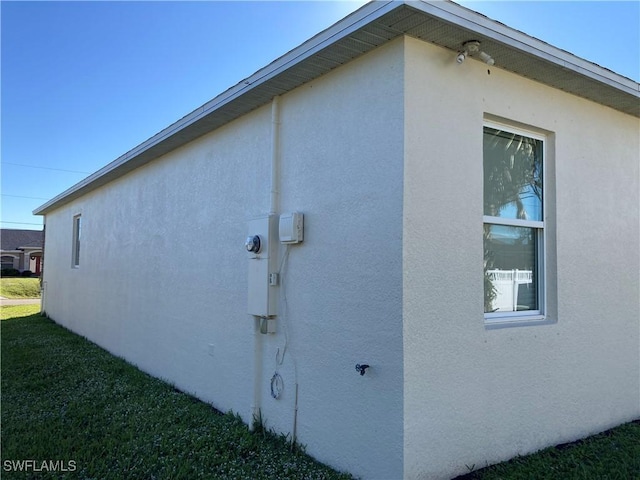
(513, 224)
(7, 261)
(77, 233)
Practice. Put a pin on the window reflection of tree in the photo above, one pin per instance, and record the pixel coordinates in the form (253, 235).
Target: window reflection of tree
(512, 175)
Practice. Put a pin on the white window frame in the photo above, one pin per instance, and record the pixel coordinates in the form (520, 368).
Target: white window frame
(77, 233)
(526, 317)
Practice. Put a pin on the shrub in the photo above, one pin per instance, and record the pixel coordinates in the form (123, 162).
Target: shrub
(26, 273)
(10, 272)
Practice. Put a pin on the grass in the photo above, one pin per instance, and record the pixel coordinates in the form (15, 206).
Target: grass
(14, 311)
(20, 287)
(65, 399)
(610, 455)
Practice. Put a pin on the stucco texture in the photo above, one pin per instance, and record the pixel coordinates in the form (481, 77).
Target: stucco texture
(474, 395)
(384, 158)
(163, 274)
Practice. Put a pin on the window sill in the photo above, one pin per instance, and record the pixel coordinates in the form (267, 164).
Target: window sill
(494, 323)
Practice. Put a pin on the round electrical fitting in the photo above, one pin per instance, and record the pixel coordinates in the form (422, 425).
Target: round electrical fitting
(277, 385)
(253, 244)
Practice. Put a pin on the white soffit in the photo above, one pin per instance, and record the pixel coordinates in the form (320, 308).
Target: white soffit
(443, 23)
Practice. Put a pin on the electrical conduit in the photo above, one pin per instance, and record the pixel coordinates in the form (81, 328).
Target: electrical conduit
(273, 209)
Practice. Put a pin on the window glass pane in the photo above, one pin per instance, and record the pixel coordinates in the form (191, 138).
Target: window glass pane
(76, 243)
(512, 175)
(510, 269)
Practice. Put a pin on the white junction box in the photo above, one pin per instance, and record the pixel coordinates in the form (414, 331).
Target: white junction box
(262, 252)
(291, 227)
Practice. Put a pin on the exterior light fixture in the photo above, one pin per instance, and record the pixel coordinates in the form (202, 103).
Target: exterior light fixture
(470, 48)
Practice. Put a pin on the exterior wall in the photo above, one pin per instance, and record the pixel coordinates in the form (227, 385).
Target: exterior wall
(341, 292)
(387, 275)
(343, 284)
(161, 272)
(471, 395)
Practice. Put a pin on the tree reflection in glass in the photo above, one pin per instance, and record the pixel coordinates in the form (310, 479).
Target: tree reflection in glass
(513, 213)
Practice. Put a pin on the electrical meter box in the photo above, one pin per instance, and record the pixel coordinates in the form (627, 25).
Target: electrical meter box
(262, 251)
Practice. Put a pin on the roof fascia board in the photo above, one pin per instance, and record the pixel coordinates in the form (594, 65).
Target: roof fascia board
(477, 23)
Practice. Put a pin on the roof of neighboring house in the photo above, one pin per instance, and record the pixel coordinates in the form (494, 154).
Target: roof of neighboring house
(443, 23)
(17, 239)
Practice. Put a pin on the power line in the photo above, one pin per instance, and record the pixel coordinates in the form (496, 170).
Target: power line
(45, 168)
(22, 196)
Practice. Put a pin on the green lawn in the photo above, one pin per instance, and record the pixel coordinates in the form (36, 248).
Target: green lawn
(66, 400)
(610, 455)
(20, 287)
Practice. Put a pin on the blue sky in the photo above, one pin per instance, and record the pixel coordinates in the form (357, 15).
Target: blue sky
(84, 82)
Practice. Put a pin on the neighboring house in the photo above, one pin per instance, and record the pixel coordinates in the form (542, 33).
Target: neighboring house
(470, 232)
(22, 249)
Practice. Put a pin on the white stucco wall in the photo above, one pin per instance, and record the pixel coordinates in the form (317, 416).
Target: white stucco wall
(163, 272)
(159, 277)
(473, 395)
(384, 158)
(343, 284)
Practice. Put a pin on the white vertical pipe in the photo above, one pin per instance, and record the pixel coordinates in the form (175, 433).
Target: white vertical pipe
(257, 372)
(273, 209)
(275, 154)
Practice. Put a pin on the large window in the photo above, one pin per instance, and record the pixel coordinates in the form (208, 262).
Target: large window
(77, 233)
(514, 224)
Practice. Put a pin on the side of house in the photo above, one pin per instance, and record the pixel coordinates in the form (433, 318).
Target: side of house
(470, 234)
(113, 274)
(475, 393)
